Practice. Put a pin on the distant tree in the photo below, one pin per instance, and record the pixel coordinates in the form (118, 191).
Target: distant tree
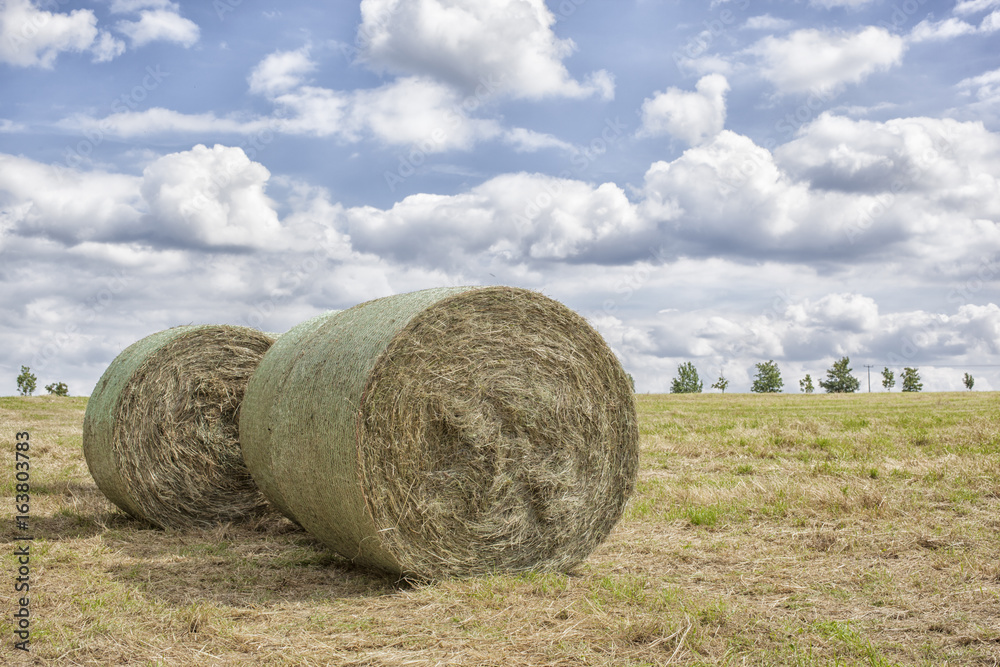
(806, 384)
(969, 381)
(768, 379)
(888, 379)
(721, 384)
(911, 379)
(26, 382)
(839, 379)
(687, 381)
(631, 381)
(57, 389)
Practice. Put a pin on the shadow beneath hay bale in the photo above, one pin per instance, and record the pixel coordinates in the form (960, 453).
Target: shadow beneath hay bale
(65, 510)
(66, 524)
(244, 564)
(65, 488)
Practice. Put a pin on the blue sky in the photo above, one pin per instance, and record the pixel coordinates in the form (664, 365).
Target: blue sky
(724, 182)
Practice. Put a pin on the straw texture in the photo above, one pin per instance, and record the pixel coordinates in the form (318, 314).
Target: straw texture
(160, 433)
(453, 431)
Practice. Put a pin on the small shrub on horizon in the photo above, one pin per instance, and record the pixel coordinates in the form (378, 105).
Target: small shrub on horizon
(57, 389)
(768, 379)
(26, 382)
(687, 380)
(888, 379)
(911, 379)
(839, 379)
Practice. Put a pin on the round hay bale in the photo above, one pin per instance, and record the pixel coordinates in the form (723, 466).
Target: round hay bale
(447, 432)
(161, 429)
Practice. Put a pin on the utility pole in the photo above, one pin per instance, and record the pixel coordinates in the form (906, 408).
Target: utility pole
(869, 367)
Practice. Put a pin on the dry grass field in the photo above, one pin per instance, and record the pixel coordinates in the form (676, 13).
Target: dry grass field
(766, 530)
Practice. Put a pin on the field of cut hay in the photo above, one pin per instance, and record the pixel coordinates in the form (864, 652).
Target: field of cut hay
(781, 529)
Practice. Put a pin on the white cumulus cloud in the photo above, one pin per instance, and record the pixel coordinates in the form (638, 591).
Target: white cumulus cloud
(985, 89)
(966, 7)
(927, 31)
(63, 204)
(280, 72)
(158, 120)
(729, 192)
(691, 117)
(492, 46)
(208, 197)
(529, 141)
(838, 312)
(160, 25)
(195, 199)
(106, 47)
(414, 111)
(409, 111)
(513, 218)
(420, 112)
(30, 37)
(985, 86)
(950, 28)
(767, 22)
(824, 61)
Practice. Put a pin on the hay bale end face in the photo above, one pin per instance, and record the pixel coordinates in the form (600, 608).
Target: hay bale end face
(453, 431)
(160, 433)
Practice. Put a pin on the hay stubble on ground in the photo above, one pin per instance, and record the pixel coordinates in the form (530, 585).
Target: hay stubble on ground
(765, 530)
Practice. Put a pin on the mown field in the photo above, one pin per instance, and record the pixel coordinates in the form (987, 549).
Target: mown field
(766, 530)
